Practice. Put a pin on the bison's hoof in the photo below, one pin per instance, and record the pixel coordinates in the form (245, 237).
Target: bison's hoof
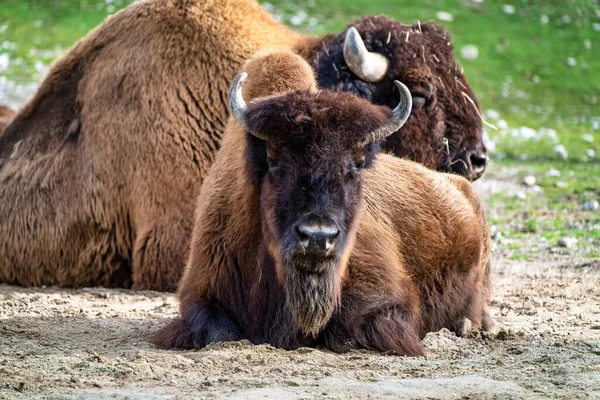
(463, 327)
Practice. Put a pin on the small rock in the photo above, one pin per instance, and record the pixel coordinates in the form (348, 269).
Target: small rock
(561, 151)
(529, 180)
(495, 233)
(4, 62)
(444, 16)
(596, 26)
(588, 138)
(469, 52)
(553, 173)
(508, 9)
(590, 205)
(567, 242)
(561, 184)
(544, 19)
(590, 153)
(587, 44)
(299, 18)
(502, 124)
(492, 114)
(521, 196)
(571, 62)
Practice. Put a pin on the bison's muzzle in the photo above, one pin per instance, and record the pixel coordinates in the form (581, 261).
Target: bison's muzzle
(470, 164)
(317, 236)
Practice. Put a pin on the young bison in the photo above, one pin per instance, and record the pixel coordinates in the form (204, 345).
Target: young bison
(99, 172)
(312, 239)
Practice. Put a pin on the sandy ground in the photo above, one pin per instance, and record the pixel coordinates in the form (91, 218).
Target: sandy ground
(92, 344)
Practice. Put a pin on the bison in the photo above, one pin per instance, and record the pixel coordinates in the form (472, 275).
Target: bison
(306, 236)
(100, 170)
(6, 114)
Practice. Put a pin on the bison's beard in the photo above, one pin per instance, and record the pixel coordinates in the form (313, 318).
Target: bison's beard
(313, 297)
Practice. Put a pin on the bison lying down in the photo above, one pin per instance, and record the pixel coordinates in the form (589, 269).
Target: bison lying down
(100, 171)
(305, 236)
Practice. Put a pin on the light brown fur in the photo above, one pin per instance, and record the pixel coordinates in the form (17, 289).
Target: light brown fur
(116, 196)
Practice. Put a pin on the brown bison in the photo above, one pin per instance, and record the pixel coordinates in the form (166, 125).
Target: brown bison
(6, 114)
(100, 170)
(304, 236)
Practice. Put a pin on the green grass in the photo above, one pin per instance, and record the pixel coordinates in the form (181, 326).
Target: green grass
(522, 72)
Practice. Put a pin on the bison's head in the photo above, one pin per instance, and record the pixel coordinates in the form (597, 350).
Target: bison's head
(444, 131)
(306, 151)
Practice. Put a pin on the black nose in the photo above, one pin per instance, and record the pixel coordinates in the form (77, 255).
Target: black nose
(317, 237)
(479, 163)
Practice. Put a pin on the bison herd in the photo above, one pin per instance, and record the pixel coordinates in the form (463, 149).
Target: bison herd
(313, 216)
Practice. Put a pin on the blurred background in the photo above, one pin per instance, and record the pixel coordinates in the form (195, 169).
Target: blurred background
(533, 64)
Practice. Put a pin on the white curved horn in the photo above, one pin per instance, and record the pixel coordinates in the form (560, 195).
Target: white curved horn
(236, 101)
(399, 116)
(368, 66)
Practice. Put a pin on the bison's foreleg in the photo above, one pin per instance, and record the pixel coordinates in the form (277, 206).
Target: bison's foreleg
(207, 325)
(392, 328)
(160, 254)
(201, 324)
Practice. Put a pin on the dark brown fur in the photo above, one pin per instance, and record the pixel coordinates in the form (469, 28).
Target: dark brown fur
(415, 256)
(422, 57)
(101, 168)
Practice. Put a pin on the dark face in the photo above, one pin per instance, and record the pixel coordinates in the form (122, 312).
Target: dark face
(309, 168)
(444, 131)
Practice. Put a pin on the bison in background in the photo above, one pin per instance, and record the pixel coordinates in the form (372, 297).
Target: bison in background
(99, 172)
(304, 236)
(6, 115)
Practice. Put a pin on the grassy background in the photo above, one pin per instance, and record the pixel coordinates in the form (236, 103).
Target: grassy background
(523, 72)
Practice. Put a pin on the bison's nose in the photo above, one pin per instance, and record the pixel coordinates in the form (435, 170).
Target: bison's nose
(479, 163)
(470, 164)
(318, 238)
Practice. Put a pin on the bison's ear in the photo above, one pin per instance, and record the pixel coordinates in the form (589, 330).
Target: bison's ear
(264, 117)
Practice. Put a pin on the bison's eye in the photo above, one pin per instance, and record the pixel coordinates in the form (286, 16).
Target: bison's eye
(272, 163)
(418, 101)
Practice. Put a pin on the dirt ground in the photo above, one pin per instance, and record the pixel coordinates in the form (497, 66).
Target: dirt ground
(92, 344)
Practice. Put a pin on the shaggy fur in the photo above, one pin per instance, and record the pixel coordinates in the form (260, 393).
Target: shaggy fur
(100, 169)
(413, 254)
(6, 114)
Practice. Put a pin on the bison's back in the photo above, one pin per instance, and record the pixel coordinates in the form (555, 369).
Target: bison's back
(433, 227)
(105, 161)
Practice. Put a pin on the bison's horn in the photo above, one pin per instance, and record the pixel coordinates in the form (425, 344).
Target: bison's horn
(399, 116)
(238, 105)
(236, 100)
(370, 67)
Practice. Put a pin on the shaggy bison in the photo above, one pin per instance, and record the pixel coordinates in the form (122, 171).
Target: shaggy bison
(100, 170)
(304, 236)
